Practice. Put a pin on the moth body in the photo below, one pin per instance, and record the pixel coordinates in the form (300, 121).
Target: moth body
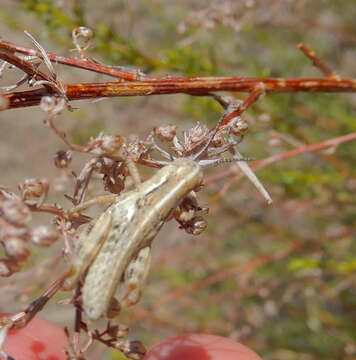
(129, 225)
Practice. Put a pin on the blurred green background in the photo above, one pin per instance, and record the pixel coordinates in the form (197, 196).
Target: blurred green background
(280, 279)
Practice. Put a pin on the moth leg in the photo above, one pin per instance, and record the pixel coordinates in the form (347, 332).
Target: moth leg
(129, 292)
(99, 200)
(88, 246)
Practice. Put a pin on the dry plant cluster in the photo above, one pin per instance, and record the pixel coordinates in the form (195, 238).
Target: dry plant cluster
(114, 157)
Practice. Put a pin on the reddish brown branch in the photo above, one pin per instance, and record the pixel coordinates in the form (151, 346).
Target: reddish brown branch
(255, 93)
(24, 65)
(143, 86)
(78, 63)
(317, 62)
(192, 86)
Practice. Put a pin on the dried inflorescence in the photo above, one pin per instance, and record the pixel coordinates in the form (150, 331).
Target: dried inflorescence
(14, 233)
(31, 189)
(63, 159)
(44, 235)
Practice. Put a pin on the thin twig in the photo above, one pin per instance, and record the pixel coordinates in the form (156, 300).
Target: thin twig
(318, 62)
(118, 72)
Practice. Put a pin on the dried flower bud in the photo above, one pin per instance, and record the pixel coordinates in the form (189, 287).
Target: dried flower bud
(82, 31)
(218, 141)
(14, 211)
(196, 134)
(62, 159)
(16, 248)
(111, 144)
(137, 349)
(238, 126)
(134, 148)
(33, 188)
(44, 235)
(8, 267)
(196, 226)
(165, 132)
(106, 144)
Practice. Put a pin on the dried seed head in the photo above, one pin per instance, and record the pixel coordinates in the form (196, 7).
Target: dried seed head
(44, 235)
(62, 159)
(165, 132)
(8, 267)
(16, 248)
(106, 144)
(134, 148)
(196, 134)
(81, 36)
(33, 188)
(238, 126)
(7, 230)
(15, 212)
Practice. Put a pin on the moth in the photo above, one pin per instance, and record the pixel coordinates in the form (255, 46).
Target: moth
(121, 238)
(116, 252)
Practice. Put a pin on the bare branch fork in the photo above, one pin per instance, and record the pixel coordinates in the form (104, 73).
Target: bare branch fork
(138, 84)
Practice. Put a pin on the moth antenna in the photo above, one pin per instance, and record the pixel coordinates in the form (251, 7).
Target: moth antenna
(217, 162)
(43, 52)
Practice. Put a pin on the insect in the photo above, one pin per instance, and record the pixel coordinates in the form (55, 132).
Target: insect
(120, 239)
(115, 254)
